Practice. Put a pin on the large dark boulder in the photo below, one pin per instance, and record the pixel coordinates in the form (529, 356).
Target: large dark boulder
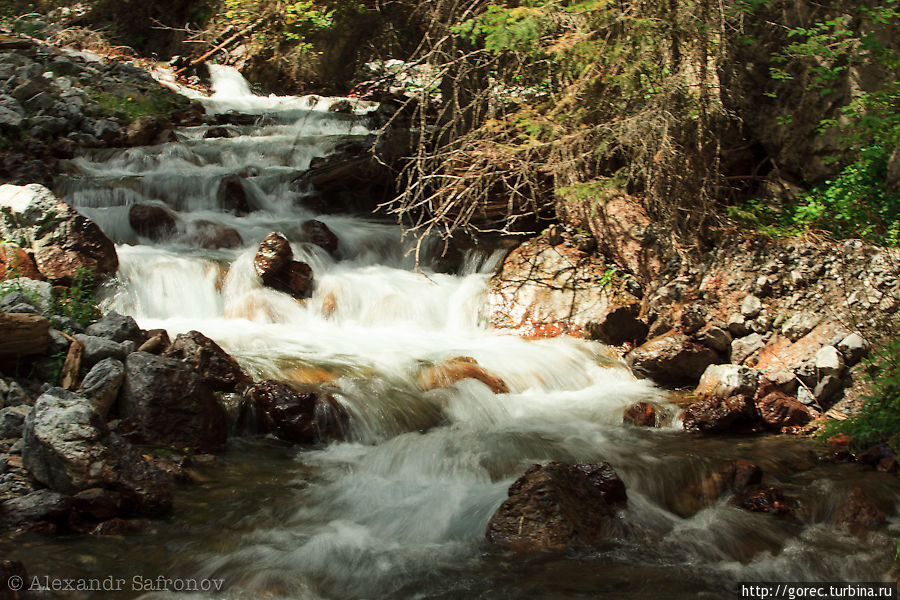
(118, 328)
(299, 417)
(672, 360)
(43, 511)
(216, 367)
(778, 410)
(169, 404)
(558, 507)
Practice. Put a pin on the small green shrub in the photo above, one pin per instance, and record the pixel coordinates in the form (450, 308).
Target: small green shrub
(878, 422)
(78, 302)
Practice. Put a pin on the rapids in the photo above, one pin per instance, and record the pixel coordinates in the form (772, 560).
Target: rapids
(400, 511)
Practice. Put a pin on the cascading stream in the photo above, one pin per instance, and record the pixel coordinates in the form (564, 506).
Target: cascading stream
(400, 512)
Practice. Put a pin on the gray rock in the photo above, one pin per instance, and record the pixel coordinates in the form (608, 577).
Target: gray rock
(853, 347)
(41, 506)
(827, 389)
(16, 396)
(12, 420)
(751, 307)
(99, 348)
(16, 299)
(105, 129)
(761, 324)
(799, 325)
(116, 327)
(805, 396)
(68, 448)
(9, 119)
(66, 324)
(36, 293)
(63, 447)
(724, 381)
(102, 383)
(23, 308)
(59, 344)
(806, 372)
(784, 379)
(743, 348)
(829, 362)
(28, 90)
(737, 325)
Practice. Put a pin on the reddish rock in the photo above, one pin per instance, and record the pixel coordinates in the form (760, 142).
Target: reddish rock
(860, 513)
(640, 415)
(554, 507)
(672, 360)
(75, 243)
(451, 370)
(299, 417)
(778, 410)
(721, 415)
(272, 258)
(151, 221)
(762, 499)
(545, 290)
(318, 233)
(216, 367)
(169, 404)
(15, 262)
(232, 196)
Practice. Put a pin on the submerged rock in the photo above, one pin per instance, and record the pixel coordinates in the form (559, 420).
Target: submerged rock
(451, 370)
(299, 417)
(558, 507)
(641, 415)
(232, 196)
(152, 221)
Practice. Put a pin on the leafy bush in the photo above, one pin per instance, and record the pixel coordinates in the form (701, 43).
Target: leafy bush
(878, 422)
(77, 302)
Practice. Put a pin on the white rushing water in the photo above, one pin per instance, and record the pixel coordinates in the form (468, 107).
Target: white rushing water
(410, 496)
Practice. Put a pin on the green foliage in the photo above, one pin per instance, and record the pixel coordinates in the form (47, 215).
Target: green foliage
(878, 422)
(78, 302)
(128, 108)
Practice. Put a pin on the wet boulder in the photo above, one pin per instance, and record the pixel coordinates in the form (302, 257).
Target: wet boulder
(232, 196)
(619, 326)
(722, 415)
(299, 417)
(557, 507)
(641, 414)
(449, 371)
(152, 221)
(733, 475)
(859, 512)
(764, 499)
(318, 233)
(276, 268)
(169, 404)
(672, 360)
(216, 367)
